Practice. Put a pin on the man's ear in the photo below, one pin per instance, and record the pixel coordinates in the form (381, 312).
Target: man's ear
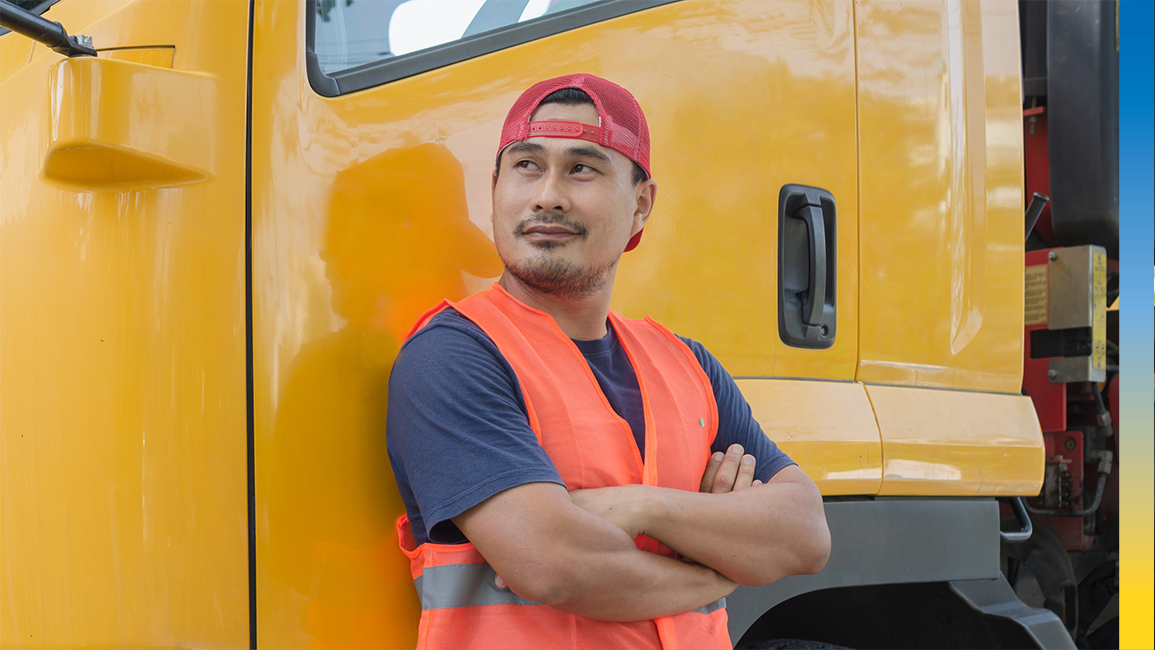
(645, 194)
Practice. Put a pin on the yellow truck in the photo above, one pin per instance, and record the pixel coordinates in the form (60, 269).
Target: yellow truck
(219, 219)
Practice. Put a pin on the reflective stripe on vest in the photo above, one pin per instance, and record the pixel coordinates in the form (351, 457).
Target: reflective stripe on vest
(473, 585)
(591, 446)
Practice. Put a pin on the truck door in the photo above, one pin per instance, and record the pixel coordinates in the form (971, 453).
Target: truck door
(940, 346)
(122, 325)
(374, 132)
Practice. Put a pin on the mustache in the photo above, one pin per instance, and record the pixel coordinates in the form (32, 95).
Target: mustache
(550, 219)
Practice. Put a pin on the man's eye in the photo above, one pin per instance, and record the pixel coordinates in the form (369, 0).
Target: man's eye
(579, 168)
(524, 164)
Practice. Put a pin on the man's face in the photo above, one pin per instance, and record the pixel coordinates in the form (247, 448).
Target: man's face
(563, 208)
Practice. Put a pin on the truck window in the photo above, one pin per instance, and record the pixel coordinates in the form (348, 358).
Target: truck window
(35, 6)
(357, 44)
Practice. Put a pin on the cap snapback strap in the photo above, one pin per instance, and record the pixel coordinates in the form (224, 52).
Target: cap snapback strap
(559, 129)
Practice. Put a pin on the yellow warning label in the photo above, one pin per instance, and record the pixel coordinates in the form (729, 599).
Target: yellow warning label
(1035, 309)
(1098, 310)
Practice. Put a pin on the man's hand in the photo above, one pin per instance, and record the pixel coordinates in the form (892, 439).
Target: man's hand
(624, 506)
(727, 472)
(627, 506)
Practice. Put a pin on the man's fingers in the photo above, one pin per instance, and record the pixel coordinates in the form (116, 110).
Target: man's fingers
(499, 582)
(757, 482)
(727, 475)
(711, 470)
(729, 471)
(745, 473)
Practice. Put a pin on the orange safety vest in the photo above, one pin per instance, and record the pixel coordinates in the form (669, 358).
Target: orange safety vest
(592, 447)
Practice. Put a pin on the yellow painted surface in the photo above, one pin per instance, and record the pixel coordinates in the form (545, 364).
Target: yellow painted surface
(108, 126)
(942, 200)
(159, 57)
(951, 443)
(15, 53)
(370, 207)
(122, 330)
(742, 98)
(827, 428)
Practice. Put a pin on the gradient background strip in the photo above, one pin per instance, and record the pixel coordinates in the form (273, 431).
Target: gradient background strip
(1137, 388)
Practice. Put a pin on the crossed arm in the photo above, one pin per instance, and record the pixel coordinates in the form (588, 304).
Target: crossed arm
(575, 551)
(753, 536)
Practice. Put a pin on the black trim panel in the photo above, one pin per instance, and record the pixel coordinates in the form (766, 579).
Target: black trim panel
(887, 541)
(997, 598)
(392, 69)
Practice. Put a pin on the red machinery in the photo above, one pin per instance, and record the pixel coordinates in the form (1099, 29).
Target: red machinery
(1071, 351)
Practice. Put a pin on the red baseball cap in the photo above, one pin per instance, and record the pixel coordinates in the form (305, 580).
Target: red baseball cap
(622, 125)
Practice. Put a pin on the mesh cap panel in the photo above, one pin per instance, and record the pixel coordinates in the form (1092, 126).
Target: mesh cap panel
(623, 125)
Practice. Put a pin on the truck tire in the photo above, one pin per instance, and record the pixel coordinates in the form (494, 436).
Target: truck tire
(790, 644)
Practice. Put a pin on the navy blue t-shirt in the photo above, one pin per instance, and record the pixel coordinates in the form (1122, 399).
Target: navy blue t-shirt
(458, 433)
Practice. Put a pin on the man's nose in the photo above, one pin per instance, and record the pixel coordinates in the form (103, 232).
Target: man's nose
(552, 194)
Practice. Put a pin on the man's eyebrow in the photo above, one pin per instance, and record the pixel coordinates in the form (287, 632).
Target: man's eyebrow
(525, 147)
(588, 152)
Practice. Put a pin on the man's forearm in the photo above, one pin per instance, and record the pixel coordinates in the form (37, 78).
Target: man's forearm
(628, 584)
(753, 536)
(548, 550)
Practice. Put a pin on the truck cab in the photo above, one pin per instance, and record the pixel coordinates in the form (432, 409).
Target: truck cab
(216, 233)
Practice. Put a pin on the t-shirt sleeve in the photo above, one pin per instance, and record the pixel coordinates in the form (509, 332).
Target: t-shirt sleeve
(736, 423)
(456, 427)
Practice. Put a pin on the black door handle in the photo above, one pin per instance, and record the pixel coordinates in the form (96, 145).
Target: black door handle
(816, 296)
(806, 266)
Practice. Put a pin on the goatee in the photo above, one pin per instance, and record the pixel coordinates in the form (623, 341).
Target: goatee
(560, 278)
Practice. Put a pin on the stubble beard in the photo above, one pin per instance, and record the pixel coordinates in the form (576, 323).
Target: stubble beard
(555, 277)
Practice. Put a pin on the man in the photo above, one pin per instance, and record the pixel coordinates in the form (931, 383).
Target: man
(574, 479)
